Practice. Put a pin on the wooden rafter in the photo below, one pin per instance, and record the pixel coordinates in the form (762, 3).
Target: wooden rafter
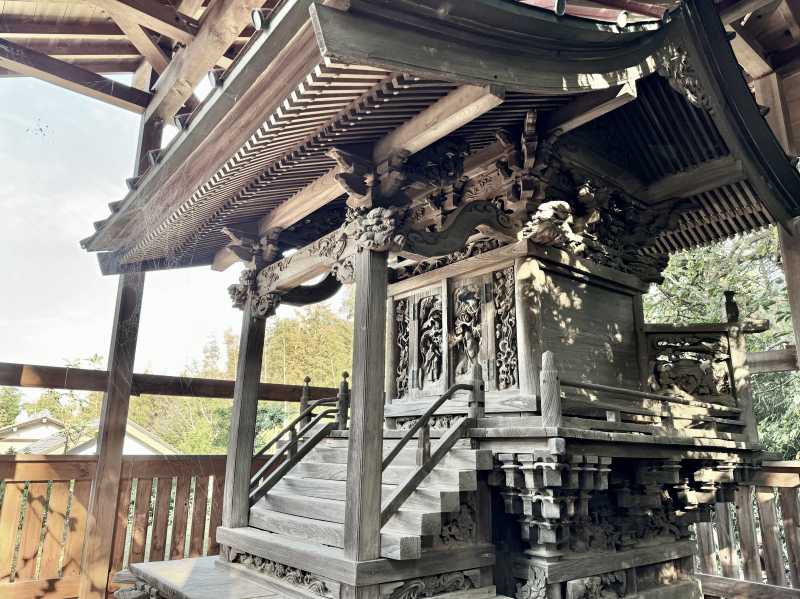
(35, 64)
(219, 30)
(153, 15)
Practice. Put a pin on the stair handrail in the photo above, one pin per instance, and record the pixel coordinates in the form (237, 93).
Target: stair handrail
(427, 461)
(301, 416)
(423, 420)
(292, 452)
(290, 446)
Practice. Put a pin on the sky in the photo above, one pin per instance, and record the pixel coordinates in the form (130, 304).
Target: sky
(63, 158)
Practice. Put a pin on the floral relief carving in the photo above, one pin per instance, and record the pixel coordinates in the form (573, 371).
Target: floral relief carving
(505, 329)
(694, 364)
(293, 576)
(429, 586)
(402, 321)
(459, 528)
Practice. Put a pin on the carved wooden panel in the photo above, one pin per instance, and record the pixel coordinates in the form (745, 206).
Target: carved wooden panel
(467, 336)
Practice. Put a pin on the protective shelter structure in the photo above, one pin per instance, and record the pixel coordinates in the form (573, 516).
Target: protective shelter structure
(501, 184)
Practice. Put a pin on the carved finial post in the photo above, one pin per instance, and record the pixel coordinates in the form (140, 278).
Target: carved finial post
(477, 403)
(343, 403)
(730, 309)
(551, 391)
(305, 397)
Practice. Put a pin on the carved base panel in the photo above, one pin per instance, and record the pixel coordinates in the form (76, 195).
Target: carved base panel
(592, 526)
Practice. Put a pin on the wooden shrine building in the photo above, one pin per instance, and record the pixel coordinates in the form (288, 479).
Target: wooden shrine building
(501, 181)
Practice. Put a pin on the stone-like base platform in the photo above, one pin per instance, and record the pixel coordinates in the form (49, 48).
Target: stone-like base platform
(199, 578)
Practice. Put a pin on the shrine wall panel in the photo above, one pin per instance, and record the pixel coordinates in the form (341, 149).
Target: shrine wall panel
(591, 329)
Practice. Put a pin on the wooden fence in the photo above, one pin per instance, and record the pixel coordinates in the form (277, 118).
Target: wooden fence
(169, 508)
(752, 546)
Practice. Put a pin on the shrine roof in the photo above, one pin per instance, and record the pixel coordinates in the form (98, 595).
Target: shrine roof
(348, 79)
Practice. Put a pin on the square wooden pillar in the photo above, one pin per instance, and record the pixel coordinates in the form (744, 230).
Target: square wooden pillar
(99, 538)
(238, 466)
(365, 455)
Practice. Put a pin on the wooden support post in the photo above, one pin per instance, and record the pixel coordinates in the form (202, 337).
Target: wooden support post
(704, 535)
(790, 513)
(527, 280)
(751, 563)
(343, 403)
(790, 257)
(477, 401)
(236, 504)
(770, 536)
(551, 391)
(742, 383)
(99, 538)
(364, 459)
(101, 514)
(305, 397)
(728, 557)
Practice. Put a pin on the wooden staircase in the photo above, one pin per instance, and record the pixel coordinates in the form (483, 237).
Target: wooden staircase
(309, 502)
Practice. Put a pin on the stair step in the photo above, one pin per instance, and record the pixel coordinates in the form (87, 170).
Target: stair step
(426, 498)
(443, 477)
(389, 444)
(406, 521)
(394, 545)
(467, 459)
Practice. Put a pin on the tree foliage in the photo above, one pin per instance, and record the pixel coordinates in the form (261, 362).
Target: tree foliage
(750, 265)
(10, 400)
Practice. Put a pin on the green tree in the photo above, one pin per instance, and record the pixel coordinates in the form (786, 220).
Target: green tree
(77, 411)
(750, 265)
(10, 400)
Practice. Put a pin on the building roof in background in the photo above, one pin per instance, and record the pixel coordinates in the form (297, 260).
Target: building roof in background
(32, 422)
(55, 442)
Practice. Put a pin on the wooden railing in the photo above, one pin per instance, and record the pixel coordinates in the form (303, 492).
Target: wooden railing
(298, 438)
(748, 550)
(427, 461)
(169, 508)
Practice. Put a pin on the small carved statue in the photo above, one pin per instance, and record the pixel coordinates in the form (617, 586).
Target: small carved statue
(552, 225)
(467, 332)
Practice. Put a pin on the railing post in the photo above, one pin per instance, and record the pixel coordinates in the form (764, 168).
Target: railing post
(305, 397)
(477, 402)
(551, 391)
(343, 403)
(424, 444)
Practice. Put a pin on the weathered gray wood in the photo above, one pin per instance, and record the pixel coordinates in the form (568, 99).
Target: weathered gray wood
(751, 562)
(392, 545)
(790, 514)
(742, 383)
(728, 555)
(404, 490)
(704, 177)
(527, 280)
(706, 553)
(362, 522)
(770, 536)
(444, 116)
(236, 504)
(717, 586)
(776, 360)
(551, 391)
(790, 258)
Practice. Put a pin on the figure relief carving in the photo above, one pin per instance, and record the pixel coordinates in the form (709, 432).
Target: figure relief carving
(378, 229)
(536, 585)
(293, 576)
(606, 586)
(459, 528)
(402, 322)
(551, 224)
(466, 336)
(430, 340)
(675, 64)
(265, 305)
(505, 329)
(473, 248)
(430, 586)
(697, 365)
(240, 290)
